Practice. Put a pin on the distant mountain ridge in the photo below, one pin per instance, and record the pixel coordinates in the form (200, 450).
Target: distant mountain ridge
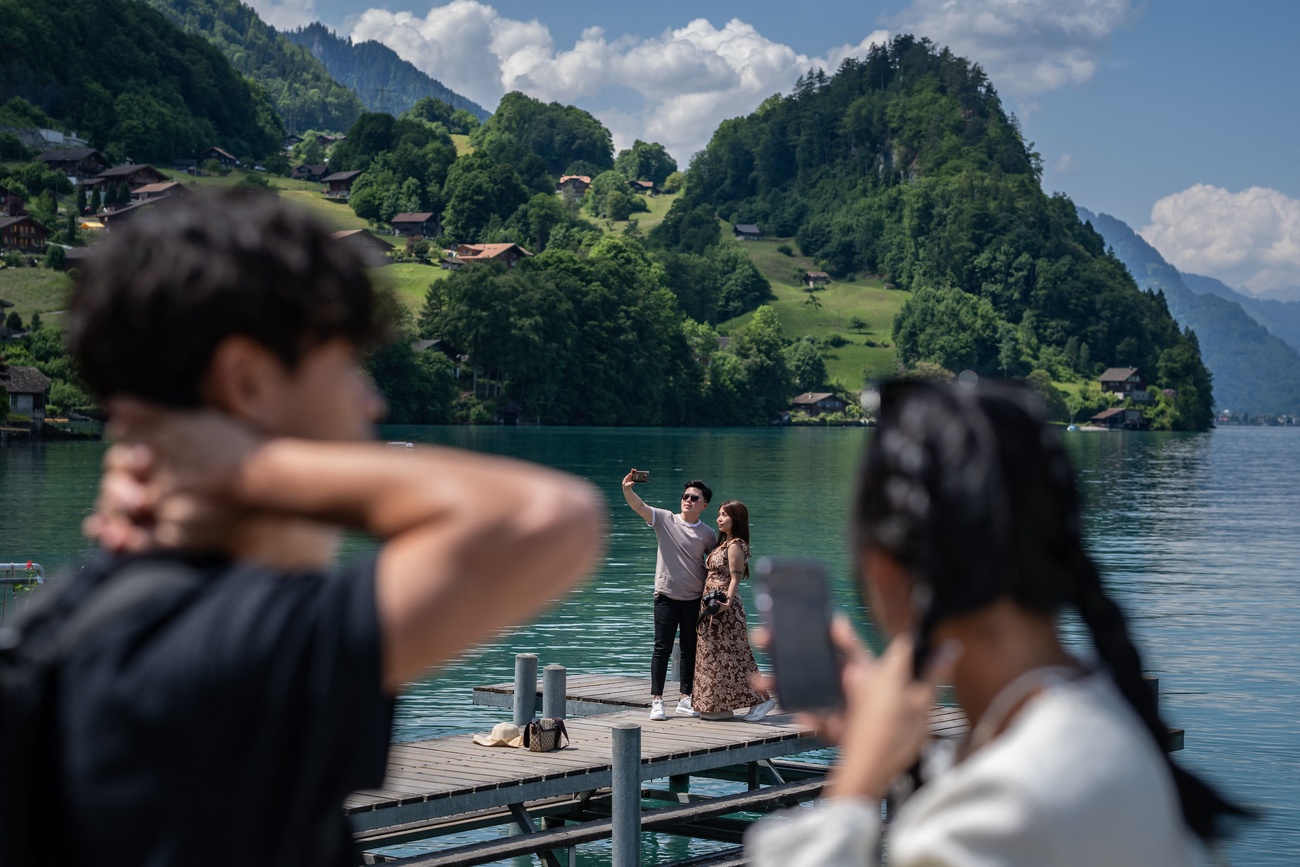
(1254, 371)
(302, 90)
(1281, 318)
(384, 81)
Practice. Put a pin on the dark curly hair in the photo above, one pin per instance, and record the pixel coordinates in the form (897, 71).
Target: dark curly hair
(970, 490)
(155, 299)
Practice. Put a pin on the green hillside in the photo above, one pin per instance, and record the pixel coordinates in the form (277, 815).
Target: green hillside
(129, 81)
(906, 166)
(303, 92)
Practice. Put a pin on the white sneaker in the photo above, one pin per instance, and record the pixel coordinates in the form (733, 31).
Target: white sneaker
(759, 711)
(685, 708)
(657, 709)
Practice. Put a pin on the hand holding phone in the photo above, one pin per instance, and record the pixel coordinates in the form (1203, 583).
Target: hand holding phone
(793, 597)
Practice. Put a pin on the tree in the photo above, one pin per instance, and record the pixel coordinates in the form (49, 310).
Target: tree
(807, 367)
(759, 346)
(55, 257)
(645, 161)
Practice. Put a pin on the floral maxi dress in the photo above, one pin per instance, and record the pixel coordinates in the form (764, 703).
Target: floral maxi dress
(723, 658)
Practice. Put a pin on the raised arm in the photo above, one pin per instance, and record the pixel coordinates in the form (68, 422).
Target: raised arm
(471, 542)
(638, 505)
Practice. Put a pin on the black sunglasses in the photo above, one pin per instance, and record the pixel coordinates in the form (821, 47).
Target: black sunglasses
(692, 497)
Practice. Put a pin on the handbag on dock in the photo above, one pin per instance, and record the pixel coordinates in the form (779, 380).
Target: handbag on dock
(543, 735)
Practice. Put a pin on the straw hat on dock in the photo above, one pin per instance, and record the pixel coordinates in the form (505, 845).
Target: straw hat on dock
(502, 735)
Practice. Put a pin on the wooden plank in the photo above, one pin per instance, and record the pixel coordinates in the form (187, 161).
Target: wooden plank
(560, 838)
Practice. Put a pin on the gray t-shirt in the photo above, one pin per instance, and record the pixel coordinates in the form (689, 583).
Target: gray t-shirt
(679, 565)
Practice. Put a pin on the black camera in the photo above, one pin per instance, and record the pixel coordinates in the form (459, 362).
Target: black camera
(713, 601)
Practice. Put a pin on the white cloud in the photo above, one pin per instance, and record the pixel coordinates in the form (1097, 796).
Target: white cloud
(285, 14)
(1064, 164)
(689, 79)
(1249, 239)
(1027, 47)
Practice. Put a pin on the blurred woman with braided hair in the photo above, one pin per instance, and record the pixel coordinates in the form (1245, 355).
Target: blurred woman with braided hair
(968, 543)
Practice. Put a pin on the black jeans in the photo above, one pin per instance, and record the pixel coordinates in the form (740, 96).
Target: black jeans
(670, 614)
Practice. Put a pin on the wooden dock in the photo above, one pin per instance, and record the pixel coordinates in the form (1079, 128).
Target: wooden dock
(562, 799)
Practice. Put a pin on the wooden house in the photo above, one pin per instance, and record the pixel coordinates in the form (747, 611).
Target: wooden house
(133, 175)
(221, 155)
(509, 255)
(1125, 382)
(422, 224)
(158, 191)
(312, 172)
(746, 232)
(26, 388)
(339, 184)
(79, 163)
(373, 247)
(643, 187)
(22, 233)
(815, 403)
(574, 185)
(11, 204)
(1121, 418)
(813, 279)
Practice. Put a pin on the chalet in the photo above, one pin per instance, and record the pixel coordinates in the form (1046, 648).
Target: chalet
(133, 176)
(574, 185)
(437, 344)
(509, 255)
(185, 166)
(747, 232)
(326, 141)
(11, 204)
(158, 191)
(644, 187)
(121, 214)
(813, 279)
(373, 247)
(76, 163)
(290, 141)
(1121, 418)
(423, 224)
(310, 172)
(1126, 383)
(339, 184)
(817, 402)
(74, 257)
(26, 387)
(22, 233)
(225, 157)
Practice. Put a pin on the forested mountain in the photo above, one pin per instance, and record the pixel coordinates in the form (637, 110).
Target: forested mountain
(1281, 318)
(130, 81)
(299, 86)
(906, 165)
(384, 81)
(1254, 371)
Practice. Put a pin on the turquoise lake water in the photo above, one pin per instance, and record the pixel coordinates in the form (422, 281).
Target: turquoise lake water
(1198, 536)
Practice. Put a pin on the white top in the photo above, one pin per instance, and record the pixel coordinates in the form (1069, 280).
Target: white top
(1074, 780)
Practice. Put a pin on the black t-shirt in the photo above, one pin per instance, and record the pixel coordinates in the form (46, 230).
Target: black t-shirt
(232, 732)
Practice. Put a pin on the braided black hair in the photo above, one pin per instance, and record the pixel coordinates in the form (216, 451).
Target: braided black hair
(970, 490)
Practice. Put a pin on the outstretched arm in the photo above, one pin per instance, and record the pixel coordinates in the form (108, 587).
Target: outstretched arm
(638, 505)
(471, 542)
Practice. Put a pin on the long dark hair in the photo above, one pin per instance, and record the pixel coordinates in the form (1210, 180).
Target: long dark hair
(970, 490)
(739, 524)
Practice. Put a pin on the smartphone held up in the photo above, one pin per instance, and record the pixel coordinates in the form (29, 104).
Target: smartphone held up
(640, 476)
(793, 597)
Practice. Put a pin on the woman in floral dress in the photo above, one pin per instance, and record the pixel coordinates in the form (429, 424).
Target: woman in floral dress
(723, 659)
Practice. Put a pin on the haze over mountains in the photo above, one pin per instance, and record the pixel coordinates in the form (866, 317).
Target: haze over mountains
(1249, 344)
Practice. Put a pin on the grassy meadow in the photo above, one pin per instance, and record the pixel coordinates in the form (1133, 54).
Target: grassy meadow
(837, 303)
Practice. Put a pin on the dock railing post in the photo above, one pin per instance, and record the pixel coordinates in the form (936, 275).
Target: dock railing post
(554, 691)
(525, 688)
(627, 794)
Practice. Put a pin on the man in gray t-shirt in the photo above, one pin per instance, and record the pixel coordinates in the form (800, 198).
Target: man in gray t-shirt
(684, 542)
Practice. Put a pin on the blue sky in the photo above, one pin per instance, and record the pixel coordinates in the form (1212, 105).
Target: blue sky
(1177, 116)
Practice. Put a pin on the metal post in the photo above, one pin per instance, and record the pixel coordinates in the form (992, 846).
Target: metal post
(525, 688)
(627, 794)
(554, 691)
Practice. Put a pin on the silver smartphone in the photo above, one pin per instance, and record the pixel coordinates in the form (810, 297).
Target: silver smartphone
(793, 597)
